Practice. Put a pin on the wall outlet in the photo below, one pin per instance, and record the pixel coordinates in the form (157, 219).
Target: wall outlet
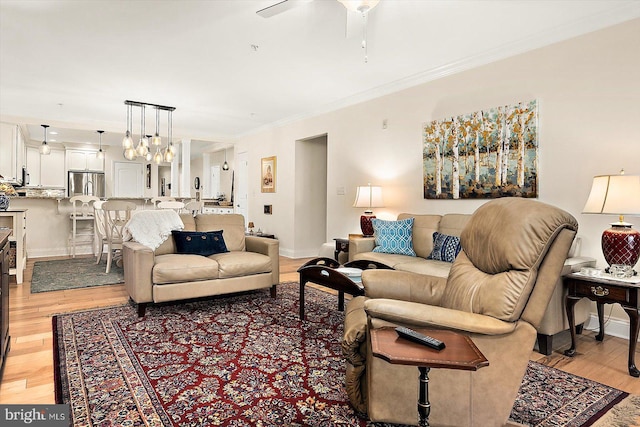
(340, 191)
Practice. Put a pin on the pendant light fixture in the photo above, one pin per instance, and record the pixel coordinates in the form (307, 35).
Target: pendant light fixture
(127, 141)
(156, 140)
(225, 165)
(169, 152)
(100, 153)
(143, 144)
(45, 149)
(132, 152)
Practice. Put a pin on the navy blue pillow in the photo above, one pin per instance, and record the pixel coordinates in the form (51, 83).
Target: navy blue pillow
(203, 243)
(445, 247)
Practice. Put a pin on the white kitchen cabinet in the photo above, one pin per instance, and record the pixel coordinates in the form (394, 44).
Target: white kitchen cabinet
(52, 173)
(16, 220)
(217, 210)
(33, 165)
(46, 171)
(12, 149)
(84, 160)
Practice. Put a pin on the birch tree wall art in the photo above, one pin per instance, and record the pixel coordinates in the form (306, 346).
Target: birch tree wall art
(486, 154)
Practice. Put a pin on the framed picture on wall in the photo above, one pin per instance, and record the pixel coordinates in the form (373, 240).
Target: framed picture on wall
(268, 174)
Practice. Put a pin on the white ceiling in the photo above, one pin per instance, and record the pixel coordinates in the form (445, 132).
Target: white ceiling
(72, 64)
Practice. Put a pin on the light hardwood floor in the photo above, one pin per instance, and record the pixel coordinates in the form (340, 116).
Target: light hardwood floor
(28, 374)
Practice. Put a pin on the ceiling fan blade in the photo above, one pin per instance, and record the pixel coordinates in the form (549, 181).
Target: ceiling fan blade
(280, 7)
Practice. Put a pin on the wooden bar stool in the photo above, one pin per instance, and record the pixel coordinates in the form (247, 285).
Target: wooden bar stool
(82, 213)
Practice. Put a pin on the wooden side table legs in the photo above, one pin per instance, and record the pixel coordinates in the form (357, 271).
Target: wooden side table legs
(600, 309)
(424, 407)
(634, 328)
(633, 340)
(569, 302)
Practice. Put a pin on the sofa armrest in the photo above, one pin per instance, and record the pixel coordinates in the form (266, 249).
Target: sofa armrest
(268, 247)
(430, 316)
(138, 261)
(403, 286)
(359, 245)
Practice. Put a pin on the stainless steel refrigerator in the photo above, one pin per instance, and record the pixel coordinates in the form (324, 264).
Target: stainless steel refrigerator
(86, 183)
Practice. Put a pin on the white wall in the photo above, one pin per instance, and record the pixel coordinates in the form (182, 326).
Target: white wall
(588, 90)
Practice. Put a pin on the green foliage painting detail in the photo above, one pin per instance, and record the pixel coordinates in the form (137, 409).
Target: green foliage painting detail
(486, 154)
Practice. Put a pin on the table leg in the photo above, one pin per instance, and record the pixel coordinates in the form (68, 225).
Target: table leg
(569, 303)
(424, 407)
(600, 308)
(633, 339)
(302, 283)
(340, 301)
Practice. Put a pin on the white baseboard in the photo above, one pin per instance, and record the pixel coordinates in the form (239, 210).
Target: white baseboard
(63, 251)
(612, 326)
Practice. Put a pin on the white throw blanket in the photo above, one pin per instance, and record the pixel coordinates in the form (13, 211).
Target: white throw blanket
(152, 227)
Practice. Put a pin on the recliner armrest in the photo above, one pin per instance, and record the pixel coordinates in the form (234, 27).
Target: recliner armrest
(403, 285)
(430, 316)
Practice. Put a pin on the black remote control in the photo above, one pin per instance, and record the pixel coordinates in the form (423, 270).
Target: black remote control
(419, 338)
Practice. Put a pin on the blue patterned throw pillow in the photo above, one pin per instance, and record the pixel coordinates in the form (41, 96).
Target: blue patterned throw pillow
(393, 237)
(445, 247)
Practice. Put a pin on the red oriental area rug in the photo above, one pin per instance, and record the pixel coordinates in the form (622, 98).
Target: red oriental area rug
(248, 360)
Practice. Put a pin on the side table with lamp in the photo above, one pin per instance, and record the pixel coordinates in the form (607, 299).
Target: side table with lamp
(618, 283)
(368, 197)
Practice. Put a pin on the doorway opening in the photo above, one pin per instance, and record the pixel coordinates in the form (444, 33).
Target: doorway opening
(310, 212)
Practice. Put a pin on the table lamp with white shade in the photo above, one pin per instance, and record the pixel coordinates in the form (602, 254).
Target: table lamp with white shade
(617, 195)
(368, 197)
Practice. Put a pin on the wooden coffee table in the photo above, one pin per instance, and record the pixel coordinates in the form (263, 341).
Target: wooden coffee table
(460, 353)
(322, 271)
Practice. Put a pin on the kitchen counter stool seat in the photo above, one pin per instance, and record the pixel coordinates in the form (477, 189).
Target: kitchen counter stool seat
(82, 213)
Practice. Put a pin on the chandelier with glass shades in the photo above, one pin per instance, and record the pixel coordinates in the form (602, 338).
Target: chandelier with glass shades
(142, 149)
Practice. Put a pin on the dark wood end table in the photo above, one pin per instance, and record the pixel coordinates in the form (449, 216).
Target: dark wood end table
(342, 245)
(460, 353)
(322, 271)
(604, 290)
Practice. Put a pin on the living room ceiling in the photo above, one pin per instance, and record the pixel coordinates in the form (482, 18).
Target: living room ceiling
(229, 71)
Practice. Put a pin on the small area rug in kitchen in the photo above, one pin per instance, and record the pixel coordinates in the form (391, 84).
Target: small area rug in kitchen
(72, 273)
(248, 360)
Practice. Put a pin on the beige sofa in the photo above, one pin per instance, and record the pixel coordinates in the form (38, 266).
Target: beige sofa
(555, 318)
(162, 275)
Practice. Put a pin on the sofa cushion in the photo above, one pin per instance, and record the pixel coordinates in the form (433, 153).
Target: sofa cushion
(428, 267)
(231, 224)
(423, 228)
(445, 247)
(241, 263)
(393, 237)
(203, 243)
(177, 268)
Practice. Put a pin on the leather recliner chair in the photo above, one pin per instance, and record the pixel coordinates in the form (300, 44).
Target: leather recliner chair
(496, 293)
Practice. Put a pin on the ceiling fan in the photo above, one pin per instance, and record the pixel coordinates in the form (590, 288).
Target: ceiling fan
(362, 6)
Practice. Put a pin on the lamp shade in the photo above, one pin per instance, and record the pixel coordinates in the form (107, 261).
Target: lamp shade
(617, 195)
(614, 195)
(368, 197)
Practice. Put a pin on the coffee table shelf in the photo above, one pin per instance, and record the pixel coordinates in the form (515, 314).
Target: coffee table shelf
(323, 271)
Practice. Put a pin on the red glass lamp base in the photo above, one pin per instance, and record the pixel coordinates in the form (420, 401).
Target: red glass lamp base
(366, 226)
(621, 245)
